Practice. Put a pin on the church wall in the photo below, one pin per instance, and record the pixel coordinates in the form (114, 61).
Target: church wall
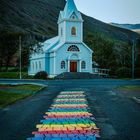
(37, 63)
(52, 64)
(64, 55)
(47, 64)
(61, 31)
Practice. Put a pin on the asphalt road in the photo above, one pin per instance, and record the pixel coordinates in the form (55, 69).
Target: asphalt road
(118, 116)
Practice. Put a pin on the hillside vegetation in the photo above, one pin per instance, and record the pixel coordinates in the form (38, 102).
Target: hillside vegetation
(36, 20)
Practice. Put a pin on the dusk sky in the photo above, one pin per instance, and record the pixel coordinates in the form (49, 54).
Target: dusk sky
(118, 11)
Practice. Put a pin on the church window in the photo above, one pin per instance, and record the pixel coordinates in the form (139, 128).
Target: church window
(73, 48)
(73, 31)
(61, 31)
(40, 65)
(33, 65)
(36, 65)
(83, 65)
(73, 17)
(63, 65)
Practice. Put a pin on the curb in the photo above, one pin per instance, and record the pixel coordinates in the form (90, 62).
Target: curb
(136, 100)
(43, 87)
(24, 83)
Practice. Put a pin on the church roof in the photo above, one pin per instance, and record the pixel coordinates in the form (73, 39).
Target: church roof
(69, 9)
(54, 44)
(50, 43)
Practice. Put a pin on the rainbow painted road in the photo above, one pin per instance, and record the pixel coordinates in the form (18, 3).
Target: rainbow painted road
(67, 119)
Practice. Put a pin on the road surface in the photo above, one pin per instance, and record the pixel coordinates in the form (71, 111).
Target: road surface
(116, 114)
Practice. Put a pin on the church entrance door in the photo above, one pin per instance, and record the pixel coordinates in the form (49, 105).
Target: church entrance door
(73, 66)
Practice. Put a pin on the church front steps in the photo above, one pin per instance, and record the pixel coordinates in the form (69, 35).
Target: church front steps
(77, 75)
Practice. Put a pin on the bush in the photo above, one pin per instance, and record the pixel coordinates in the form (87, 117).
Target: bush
(123, 72)
(41, 75)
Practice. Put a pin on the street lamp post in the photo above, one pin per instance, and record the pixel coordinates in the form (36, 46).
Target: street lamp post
(20, 75)
(133, 57)
(133, 60)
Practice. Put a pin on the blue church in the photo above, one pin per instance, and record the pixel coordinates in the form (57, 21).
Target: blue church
(66, 52)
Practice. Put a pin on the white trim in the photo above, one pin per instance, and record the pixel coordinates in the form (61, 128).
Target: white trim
(37, 58)
(54, 62)
(68, 66)
(81, 32)
(64, 31)
(73, 42)
(87, 47)
(70, 20)
(79, 65)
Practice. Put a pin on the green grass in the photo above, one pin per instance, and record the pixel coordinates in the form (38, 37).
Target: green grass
(7, 98)
(14, 75)
(129, 88)
(23, 87)
(10, 94)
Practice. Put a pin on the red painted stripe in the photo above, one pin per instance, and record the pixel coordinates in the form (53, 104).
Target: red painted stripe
(66, 132)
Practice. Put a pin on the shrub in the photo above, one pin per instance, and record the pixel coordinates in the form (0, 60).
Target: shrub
(41, 75)
(123, 72)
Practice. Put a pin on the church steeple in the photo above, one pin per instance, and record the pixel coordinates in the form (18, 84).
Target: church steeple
(70, 23)
(70, 8)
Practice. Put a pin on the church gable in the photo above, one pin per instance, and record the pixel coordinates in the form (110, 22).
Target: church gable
(72, 48)
(60, 16)
(73, 16)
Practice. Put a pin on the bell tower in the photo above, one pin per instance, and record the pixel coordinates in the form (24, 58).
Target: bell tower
(70, 24)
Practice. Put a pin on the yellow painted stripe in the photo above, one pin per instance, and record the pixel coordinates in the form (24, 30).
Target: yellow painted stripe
(66, 125)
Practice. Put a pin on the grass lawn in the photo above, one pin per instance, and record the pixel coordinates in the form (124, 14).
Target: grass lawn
(129, 88)
(14, 75)
(10, 94)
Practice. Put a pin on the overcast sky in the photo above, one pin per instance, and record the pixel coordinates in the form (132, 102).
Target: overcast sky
(118, 11)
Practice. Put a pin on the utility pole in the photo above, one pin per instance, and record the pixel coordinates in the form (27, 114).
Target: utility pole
(133, 60)
(20, 75)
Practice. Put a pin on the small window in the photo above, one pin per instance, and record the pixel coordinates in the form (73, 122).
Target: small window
(63, 64)
(73, 31)
(83, 65)
(73, 17)
(61, 31)
(40, 65)
(73, 48)
(33, 65)
(36, 65)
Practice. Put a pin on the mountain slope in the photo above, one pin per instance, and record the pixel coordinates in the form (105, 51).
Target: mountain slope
(127, 26)
(40, 17)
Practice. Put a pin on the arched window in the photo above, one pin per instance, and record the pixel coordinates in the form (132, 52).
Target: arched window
(61, 31)
(73, 31)
(73, 48)
(63, 64)
(83, 65)
(33, 65)
(40, 66)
